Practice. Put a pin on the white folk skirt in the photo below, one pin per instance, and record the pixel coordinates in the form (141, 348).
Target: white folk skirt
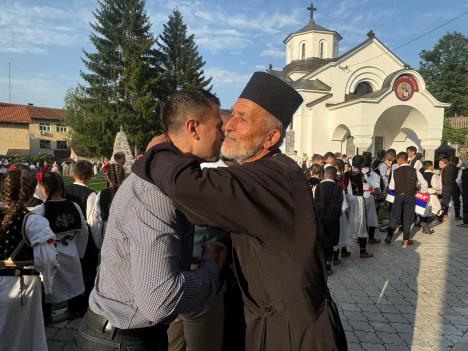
(371, 212)
(21, 318)
(357, 218)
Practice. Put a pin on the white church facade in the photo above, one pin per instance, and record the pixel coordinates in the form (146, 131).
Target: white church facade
(366, 99)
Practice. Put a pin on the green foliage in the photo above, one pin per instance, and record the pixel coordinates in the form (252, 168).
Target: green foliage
(445, 70)
(453, 135)
(183, 65)
(123, 81)
(20, 159)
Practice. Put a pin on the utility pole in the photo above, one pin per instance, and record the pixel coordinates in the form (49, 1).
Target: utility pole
(9, 82)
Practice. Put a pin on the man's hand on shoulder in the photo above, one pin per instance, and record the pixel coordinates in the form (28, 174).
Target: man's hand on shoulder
(158, 139)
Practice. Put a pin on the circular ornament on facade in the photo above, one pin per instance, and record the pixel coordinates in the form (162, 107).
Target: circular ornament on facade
(405, 86)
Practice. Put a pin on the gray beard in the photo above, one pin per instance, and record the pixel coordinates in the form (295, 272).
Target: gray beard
(238, 156)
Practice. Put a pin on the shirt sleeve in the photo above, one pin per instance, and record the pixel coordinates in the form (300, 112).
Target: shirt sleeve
(160, 286)
(422, 182)
(459, 180)
(42, 240)
(90, 201)
(82, 237)
(391, 186)
(95, 222)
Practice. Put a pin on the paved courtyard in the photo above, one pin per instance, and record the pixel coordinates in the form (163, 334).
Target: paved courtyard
(403, 299)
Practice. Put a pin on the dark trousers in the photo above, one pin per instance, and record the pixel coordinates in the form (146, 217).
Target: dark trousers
(447, 193)
(456, 199)
(465, 206)
(89, 262)
(94, 336)
(403, 204)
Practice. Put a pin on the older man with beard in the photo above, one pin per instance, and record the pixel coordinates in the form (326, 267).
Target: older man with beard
(266, 205)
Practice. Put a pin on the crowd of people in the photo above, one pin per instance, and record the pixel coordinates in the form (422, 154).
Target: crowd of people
(193, 252)
(368, 182)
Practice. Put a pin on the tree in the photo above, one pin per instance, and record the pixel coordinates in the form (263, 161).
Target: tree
(123, 81)
(183, 65)
(445, 70)
(453, 135)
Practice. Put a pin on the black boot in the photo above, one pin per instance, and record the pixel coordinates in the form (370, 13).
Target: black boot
(372, 239)
(390, 233)
(345, 252)
(363, 248)
(426, 229)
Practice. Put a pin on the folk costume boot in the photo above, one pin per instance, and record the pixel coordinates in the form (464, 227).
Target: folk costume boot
(425, 226)
(345, 252)
(390, 233)
(372, 239)
(336, 259)
(363, 248)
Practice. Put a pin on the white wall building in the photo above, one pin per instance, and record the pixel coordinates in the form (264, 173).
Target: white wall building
(363, 100)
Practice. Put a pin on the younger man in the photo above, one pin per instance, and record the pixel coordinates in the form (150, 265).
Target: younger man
(462, 182)
(328, 202)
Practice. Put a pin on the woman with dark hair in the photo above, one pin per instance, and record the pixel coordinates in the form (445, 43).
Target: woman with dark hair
(100, 213)
(372, 189)
(316, 176)
(67, 222)
(26, 249)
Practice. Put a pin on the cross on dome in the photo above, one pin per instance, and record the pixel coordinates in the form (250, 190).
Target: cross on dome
(312, 9)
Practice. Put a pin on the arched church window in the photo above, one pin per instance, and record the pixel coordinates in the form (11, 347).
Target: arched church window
(303, 51)
(322, 49)
(363, 88)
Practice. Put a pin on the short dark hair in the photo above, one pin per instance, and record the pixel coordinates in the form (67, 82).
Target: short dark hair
(403, 156)
(174, 111)
(83, 170)
(118, 156)
(316, 157)
(427, 164)
(53, 184)
(454, 160)
(330, 172)
(412, 148)
(444, 160)
(391, 152)
(380, 154)
(329, 154)
(358, 160)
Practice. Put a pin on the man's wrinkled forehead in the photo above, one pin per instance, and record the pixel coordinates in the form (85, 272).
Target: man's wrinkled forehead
(245, 107)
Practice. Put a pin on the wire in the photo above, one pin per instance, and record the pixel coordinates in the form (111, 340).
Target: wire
(414, 39)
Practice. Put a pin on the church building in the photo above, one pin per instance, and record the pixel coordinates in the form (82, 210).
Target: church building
(365, 99)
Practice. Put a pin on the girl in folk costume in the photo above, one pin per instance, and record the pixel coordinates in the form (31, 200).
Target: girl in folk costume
(316, 176)
(357, 206)
(68, 224)
(434, 184)
(26, 249)
(100, 212)
(345, 185)
(371, 189)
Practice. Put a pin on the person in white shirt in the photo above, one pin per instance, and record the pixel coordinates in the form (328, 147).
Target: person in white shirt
(413, 158)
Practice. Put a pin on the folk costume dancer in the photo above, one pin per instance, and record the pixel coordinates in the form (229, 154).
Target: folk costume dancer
(266, 205)
(71, 231)
(26, 249)
(357, 208)
(405, 182)
(371, 185)
(328, 204)
(84, 197)
(448, 175)
(344, 184)
(434, 189)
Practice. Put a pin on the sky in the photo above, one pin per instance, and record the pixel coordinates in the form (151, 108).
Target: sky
(43, 40)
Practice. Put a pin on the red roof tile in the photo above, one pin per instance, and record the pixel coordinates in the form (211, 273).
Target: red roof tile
(14, 113)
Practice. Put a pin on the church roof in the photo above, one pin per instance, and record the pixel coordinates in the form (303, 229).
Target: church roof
(309, 65)
(312, 84)
(312, 26)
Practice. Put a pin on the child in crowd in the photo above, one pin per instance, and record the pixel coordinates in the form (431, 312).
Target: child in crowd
(100, 212)
(26, 249)
(71, 230)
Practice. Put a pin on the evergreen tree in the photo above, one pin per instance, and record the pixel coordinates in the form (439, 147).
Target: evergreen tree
(123, 80)
(183, 65)
(445, 70)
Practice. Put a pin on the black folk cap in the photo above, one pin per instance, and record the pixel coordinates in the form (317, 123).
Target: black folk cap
(274, 95)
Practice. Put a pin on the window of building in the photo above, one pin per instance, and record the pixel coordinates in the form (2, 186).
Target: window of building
(44, 126)
(44, 144)
(303, 51)
(363, 88)
(322, 49)
(61, 128)
(378, 144)
(61, 144)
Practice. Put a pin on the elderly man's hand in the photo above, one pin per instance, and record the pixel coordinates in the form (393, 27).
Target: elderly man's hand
(158, 139)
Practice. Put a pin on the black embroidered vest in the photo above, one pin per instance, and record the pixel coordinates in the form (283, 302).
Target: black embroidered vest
(105, 201)
(63, 216)
(13, 238)
(357, 180)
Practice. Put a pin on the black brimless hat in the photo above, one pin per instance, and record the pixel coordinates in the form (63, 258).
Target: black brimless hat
(274, 95)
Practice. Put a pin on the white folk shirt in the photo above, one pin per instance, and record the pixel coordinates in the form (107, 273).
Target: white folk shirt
(421, 181)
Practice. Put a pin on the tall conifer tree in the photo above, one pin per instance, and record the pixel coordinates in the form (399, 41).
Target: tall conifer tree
(183, 65)
(123, 80)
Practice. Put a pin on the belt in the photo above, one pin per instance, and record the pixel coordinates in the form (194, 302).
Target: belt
(17, 272)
